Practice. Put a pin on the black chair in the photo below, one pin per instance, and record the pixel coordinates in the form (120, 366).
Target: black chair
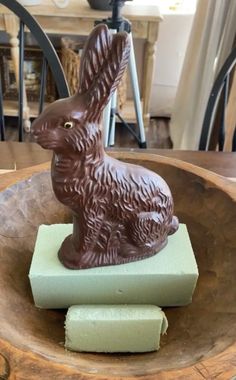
(214, 127)
(50, 61)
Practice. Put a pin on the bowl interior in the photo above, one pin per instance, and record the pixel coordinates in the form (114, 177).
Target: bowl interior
(200, 330)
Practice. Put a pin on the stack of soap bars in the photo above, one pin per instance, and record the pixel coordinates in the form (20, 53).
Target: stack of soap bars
(113, 308)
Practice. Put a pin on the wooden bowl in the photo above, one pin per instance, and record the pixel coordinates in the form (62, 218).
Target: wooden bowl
(201, 340)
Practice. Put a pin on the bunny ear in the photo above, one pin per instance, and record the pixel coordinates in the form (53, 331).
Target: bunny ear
(102, 65)
(95, 52)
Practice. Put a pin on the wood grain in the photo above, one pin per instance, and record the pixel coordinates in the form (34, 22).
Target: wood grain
(15, 155)
(201, 340)
(83, 10)
(4, 368)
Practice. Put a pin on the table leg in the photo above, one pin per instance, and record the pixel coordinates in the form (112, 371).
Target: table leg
(149, 61)
(12, 28)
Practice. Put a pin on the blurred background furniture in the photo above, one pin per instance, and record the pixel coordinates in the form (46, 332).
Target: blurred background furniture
(78, 19)
(15, 24)
(218, 130)
(211, 40)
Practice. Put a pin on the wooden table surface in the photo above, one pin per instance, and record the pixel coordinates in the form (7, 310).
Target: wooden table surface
(15, 155)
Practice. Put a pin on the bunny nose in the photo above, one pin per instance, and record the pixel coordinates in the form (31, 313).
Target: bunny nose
(34, 133)
(34, 130)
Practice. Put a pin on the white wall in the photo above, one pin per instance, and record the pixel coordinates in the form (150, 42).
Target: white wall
(171, 46)
(172, 42)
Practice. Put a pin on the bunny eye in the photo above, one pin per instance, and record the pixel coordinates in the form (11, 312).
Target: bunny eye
(68, 125)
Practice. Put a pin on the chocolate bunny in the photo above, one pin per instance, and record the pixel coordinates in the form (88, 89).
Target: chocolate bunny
(121, 212)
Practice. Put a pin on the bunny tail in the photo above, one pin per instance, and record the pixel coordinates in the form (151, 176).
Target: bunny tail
(103, 63)
(174, 225)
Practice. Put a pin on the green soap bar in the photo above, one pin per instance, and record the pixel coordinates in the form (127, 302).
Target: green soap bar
(165, 279)
(114, 328)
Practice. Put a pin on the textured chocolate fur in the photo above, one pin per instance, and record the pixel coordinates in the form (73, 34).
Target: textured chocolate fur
(121, 212)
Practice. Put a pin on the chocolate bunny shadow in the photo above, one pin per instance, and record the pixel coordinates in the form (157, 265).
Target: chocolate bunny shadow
(121, 212)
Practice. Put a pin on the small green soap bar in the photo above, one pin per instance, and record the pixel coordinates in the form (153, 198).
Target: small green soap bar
(114, 328)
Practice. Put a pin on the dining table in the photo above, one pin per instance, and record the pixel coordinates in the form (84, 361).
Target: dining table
(20, 160)
(23, 155)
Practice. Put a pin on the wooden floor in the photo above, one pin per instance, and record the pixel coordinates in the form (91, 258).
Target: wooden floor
(157, 134)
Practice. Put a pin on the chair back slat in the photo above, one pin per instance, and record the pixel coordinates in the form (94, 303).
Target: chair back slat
(21, 80)
(221, 139)
(51, 62)
(43, 79)
(234, 141)
(44, 42)
(214, 129)
(2, 121)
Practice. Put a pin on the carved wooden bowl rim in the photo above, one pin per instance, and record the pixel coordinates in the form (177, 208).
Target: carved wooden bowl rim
(221, 182)
(224, 362)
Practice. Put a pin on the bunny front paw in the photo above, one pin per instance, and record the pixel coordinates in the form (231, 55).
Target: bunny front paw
(67, 254)
(73, 258)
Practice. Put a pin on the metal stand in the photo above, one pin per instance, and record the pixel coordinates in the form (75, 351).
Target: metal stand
(116, 24)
